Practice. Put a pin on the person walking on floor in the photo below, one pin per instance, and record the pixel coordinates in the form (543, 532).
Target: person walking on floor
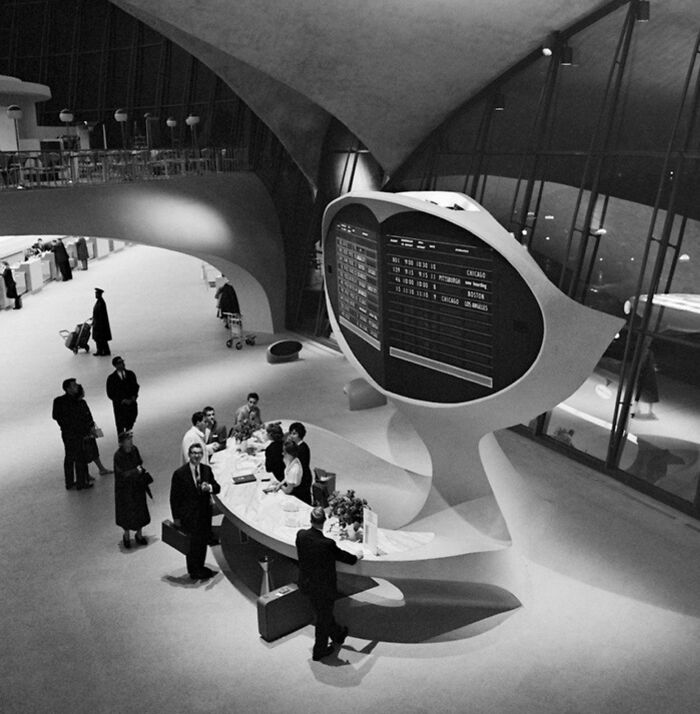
(73, 415)
(123, 390)
(190, 502)
(10, 285)
(317, 555)
(131, 484)
(100, 325)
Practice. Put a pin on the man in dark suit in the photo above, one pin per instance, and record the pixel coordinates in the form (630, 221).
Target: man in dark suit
(317, 580)
(75, 420)
(123, 390)
(215, 433)
(190, 502)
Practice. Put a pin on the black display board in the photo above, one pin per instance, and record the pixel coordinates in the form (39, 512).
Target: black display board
(431, 311)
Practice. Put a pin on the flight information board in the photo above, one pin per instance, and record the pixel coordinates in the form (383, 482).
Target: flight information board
(430, 310)
(440, 306)
(358, 281)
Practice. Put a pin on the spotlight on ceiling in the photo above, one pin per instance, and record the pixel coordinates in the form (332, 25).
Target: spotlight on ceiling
(567, 56)
(549, 44)
(643, 11)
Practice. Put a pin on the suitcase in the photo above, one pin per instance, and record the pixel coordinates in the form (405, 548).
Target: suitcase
(83, 331)
(77, 339)
(175, 538)
(282, 611)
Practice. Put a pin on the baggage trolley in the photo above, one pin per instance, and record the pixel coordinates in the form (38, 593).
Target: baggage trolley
(234, 323)
(77, 339)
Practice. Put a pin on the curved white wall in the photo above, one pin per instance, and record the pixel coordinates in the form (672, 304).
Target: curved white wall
(228, 220)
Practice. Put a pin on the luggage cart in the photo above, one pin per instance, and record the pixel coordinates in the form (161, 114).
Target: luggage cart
(79, 338)
(234, 323)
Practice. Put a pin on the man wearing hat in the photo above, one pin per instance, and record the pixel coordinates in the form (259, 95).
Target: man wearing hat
(317, 580)
(100, 325)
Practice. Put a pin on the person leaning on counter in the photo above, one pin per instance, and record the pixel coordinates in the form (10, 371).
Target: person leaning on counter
(317, 555)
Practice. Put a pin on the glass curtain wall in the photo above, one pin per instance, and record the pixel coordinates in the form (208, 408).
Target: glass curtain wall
(591, 158)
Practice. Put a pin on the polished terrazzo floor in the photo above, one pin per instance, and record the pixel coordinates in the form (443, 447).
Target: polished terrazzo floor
(612, 625)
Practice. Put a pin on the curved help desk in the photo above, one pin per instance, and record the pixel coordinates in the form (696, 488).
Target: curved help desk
(419, 536)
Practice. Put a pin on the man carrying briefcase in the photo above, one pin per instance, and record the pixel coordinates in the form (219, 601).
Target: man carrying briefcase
(190, 502)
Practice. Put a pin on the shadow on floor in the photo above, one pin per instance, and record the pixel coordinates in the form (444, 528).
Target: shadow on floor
(400, 611)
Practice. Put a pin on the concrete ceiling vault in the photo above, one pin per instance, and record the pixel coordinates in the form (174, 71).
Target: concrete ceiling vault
(391, 71)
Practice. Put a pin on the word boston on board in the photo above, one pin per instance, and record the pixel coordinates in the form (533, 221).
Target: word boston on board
(429, 308)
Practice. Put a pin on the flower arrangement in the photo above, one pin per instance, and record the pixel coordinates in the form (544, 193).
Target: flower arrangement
(243, 430)
(348, 508)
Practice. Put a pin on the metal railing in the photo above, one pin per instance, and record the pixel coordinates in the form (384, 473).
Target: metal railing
(47, 169)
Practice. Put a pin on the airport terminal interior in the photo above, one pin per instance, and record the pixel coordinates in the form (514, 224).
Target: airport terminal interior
(318, 156)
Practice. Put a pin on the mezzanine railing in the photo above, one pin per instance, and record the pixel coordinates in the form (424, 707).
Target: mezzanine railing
(37, 169)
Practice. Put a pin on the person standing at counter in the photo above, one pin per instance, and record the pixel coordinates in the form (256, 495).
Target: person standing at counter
(131, 482)
(123, 390)
(74, 418)
(196, 434)
(317, 555)
(190, 502)
(297, 432)
(274, 451)
(101, 332)
(81, 251)
(10, 285)
(60, 255)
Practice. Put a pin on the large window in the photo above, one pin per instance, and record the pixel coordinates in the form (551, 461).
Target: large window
(594, 165)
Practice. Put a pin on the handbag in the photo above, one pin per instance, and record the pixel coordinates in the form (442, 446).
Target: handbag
(147, 479)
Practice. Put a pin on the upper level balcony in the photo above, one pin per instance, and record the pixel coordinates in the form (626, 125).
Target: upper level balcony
(22, 170)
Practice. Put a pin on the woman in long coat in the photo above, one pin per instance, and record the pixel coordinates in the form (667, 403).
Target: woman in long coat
(130, 488)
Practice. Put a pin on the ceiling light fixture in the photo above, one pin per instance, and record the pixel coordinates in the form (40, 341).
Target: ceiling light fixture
(567, 56)
(549, 44)
(643, 11)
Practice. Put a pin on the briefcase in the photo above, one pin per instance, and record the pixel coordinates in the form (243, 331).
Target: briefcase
(175, 538)
(282, 611)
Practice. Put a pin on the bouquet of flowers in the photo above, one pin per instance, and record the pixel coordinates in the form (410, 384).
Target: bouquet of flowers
(243, 430)
(348, 508)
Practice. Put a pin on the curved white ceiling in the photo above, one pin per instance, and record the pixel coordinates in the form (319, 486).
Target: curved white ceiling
(391, 71)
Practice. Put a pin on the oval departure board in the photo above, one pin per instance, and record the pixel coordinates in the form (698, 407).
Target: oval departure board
(430, 310)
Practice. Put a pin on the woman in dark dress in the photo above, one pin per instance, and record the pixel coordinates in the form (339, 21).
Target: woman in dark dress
(90, 449)
(274, 451)
(297, 432)
(130, 488)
